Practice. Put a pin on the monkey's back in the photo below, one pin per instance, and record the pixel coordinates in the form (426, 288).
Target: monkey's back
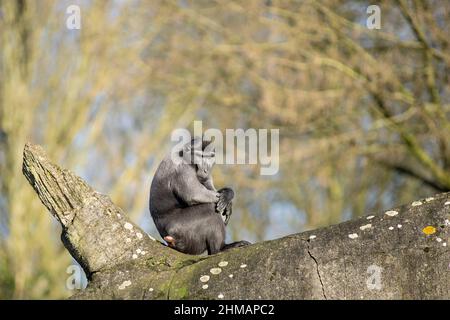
(162, 199)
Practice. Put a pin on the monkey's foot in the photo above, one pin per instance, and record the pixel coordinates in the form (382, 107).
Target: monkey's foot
(170, 241)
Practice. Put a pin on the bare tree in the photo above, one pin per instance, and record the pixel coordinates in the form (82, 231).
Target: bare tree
(363, 114)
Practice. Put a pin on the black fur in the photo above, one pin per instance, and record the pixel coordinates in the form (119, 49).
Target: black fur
(185, 209)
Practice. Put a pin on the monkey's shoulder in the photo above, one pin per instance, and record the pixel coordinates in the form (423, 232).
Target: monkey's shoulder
(168, 170)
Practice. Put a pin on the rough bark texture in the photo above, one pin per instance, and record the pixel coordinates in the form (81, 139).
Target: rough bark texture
(402, 253)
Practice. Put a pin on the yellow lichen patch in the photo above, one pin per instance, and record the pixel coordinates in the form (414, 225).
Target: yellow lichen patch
(429, 230)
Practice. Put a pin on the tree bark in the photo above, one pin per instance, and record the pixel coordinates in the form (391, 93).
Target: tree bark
(402, 253)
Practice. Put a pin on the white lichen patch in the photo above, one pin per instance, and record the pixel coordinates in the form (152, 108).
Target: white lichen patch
(134, 256)
(366, 226)
(444, 244)
(391, 213)
(399, 226)
(204, 278)
(138, 250)
(150, 289)
(429, 199)
(447, 203)
(447, 222)
(353, 235)
(119, 216)
(313, 236)
(124, 284)
(243, 266)
(391, 228)
(139, 235)
(215, 270)
(128, 226)
(438, 239)
(416, 203)
(127, 240)
(143, 252)
(205, 286)
(230, 276)
(223, 263)
(220, 296)
(370, 217)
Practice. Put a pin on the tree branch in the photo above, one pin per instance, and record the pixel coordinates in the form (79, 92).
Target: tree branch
(384, 256)
(401, 168)
(96, 232)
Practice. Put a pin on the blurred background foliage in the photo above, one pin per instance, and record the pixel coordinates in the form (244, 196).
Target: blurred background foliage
(363, 114)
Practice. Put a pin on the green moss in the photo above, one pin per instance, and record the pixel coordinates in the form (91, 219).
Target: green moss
(159, 263)
(179, 293)
(184, 263)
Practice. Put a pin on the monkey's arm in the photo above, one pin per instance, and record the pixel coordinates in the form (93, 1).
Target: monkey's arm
(188, 188)
(209, 185)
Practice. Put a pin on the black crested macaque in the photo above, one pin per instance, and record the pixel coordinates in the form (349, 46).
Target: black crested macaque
(184, 204)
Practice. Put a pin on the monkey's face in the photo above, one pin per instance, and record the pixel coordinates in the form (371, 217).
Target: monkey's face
(197, 150)
(205, 166)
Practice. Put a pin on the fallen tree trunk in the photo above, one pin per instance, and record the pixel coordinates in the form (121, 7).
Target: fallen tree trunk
(399, 254)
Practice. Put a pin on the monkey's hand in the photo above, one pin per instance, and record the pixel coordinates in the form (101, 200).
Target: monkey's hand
(225, 197)
(227, 213)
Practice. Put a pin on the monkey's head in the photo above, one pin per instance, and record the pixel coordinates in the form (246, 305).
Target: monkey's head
(200, 153)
